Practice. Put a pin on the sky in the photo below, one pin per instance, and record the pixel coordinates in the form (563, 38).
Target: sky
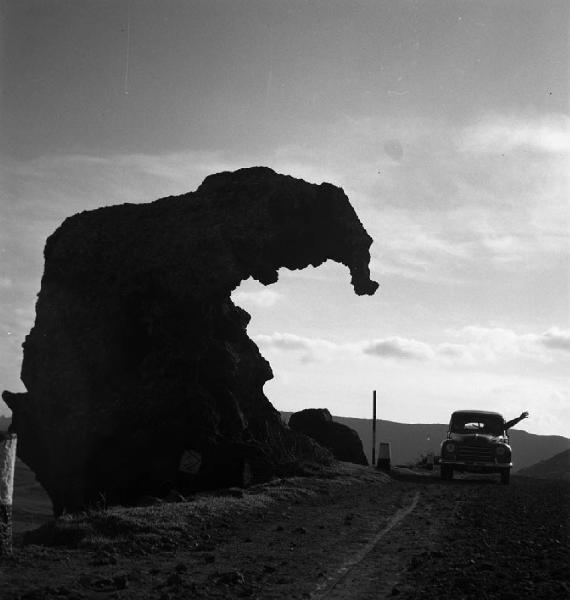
(447, 124)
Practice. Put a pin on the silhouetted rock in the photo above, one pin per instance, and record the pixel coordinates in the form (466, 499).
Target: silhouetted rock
(340, 439)
(138, 354)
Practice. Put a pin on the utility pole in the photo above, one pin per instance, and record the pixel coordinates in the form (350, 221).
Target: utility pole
(374, 428)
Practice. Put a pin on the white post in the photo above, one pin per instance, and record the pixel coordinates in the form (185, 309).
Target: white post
(384, 456)
(374, 428)
(7, 463)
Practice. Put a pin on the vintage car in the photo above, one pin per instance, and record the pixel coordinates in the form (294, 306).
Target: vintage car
(476, 443)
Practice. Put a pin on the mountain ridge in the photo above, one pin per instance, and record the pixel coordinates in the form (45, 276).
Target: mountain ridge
(555, 467)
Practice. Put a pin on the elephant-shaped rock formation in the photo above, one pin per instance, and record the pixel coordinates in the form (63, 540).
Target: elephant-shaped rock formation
(138, 358)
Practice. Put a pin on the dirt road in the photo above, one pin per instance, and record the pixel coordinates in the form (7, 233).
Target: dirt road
(354, 533)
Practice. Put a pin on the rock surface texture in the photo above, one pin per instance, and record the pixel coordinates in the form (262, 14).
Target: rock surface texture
(139, 361)
(341, 440)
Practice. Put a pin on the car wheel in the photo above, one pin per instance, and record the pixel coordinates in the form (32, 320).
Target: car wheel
(505, 476)
(446, 472)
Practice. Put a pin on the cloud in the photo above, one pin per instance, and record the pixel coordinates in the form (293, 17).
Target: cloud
(557, 339)
(398, 348)
(467, 347)
(494, 344)
(311, 349)
(452, 204)
(409, 246)
(503, 134)
(286, 341)
(262, 298)
(477, 346)
(446, 210)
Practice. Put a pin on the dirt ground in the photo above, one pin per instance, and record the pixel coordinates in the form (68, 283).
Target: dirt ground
(353, 533)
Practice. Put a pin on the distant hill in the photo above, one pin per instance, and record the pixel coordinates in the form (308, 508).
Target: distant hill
(556, 467)
(408, 441)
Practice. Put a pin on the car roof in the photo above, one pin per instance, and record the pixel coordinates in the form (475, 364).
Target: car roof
(477, 412)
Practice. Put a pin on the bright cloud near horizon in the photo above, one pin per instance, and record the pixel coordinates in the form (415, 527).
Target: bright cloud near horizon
(447, 124)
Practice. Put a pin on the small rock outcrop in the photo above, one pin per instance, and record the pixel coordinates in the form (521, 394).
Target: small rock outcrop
(341, 440)
(139, 362)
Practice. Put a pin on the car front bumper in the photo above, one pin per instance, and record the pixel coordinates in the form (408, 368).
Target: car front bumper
(479, 465)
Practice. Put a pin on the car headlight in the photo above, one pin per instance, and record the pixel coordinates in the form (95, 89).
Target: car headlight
(450, 447)
(500, 451)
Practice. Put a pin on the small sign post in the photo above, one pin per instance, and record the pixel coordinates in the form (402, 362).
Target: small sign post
(7, 464)
(384, 456)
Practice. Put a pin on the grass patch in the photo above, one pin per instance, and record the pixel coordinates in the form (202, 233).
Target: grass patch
(166, 526)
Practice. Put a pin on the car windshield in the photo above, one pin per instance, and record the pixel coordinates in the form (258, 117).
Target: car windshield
(476, 423)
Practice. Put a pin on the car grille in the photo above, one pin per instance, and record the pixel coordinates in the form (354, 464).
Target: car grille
(476, 453)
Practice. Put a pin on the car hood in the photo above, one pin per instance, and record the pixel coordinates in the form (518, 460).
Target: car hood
(478, 438)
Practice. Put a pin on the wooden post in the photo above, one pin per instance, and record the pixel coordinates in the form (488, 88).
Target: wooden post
(374, 428)
(7, 463)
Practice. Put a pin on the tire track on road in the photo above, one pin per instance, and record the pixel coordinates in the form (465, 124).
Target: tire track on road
(325, 589)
